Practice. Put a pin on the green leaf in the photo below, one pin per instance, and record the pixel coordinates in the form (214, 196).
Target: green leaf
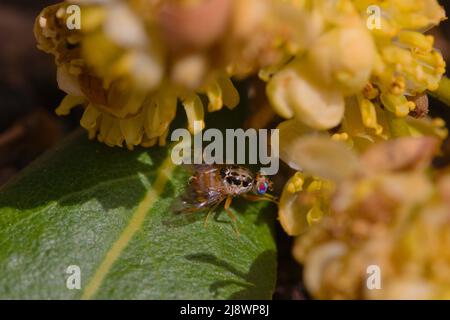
(108, 211)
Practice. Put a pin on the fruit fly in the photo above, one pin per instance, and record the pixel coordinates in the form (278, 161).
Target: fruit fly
(211, 185)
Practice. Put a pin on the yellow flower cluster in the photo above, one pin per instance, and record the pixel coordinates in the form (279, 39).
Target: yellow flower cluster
(132, 61)
(118, 67)
(359, 78)
(395, 215)
(357, 84)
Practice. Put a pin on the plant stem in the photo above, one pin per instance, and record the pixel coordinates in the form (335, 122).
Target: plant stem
(443, 92)
(398, 126)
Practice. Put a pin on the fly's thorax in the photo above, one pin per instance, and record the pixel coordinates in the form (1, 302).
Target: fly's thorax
(208, 180)
(236, 180)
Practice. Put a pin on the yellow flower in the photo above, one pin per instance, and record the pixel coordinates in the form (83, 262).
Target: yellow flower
(394, 215)
(337, 63)
(115, 67)
(305, 201)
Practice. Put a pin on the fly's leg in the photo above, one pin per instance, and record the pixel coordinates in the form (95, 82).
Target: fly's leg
(210, 212)
(227, 208)
(190, 211)
(266, 197)
(230, 214)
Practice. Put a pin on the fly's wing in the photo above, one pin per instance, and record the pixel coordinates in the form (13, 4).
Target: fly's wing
(202, 191)
(183, 207)
(193, 201)
(200, 169)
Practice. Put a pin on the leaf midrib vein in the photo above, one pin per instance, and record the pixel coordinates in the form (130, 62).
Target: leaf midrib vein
(164, 173)
(56, 202)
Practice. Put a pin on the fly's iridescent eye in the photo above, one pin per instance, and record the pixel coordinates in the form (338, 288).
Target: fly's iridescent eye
(262, 188)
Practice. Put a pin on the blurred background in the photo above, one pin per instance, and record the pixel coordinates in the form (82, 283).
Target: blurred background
(29, 95)
(28, 90)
